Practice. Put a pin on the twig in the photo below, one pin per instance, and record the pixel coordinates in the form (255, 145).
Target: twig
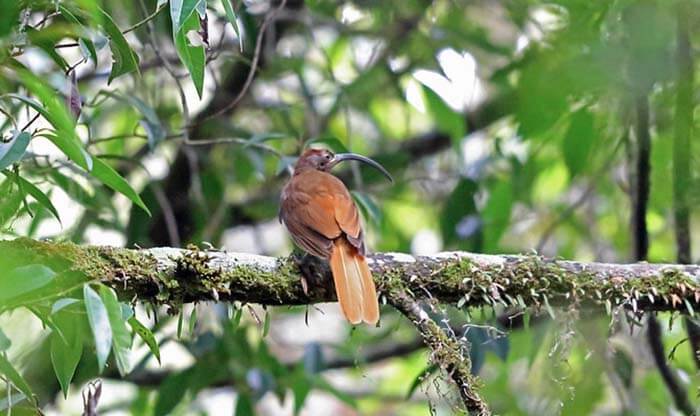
(168, 215)
(30, 122)
(269, 18)
(680, 397)
(146, 20)
(236, 140)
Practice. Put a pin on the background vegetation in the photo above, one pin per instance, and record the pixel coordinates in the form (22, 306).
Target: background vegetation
(564, 127)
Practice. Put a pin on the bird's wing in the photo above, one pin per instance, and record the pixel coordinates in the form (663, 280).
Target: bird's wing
(347, 216)
(317, 208)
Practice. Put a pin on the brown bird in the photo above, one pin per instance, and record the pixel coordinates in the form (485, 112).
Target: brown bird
(322, 218)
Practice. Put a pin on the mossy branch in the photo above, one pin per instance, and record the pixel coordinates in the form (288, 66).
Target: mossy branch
(447, 352)
(174, 276)
(171, 277)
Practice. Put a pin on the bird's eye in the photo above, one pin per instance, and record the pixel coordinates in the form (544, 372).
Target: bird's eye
(328, 157)
(322, 164)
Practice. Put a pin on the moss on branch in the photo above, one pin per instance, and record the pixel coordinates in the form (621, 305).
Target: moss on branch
(173, 276)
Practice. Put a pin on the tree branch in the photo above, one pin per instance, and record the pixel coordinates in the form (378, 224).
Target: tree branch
(172, 276)
(447, 352)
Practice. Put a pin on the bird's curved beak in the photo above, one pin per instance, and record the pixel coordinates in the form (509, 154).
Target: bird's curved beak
(353, 156)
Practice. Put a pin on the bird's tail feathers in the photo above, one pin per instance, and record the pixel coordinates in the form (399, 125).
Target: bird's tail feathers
(353, 284)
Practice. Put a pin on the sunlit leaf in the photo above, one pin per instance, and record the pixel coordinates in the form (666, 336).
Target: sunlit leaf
(99, 324)
(121, 338)
(63, 303)
(66, 350)
(23, 280)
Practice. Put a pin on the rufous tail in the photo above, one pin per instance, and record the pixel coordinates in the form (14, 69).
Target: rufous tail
(353, 284)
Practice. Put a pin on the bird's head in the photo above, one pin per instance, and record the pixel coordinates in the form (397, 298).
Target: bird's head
(324, 160)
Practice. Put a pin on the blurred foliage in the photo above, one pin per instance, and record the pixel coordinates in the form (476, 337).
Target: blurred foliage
(506, 123)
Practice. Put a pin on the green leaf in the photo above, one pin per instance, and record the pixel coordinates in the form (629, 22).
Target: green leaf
(266, 324)
(300, 388)
(56, 113)
(54, 108)
(9, 18)
(86, 45)
(244, 405)
(72, 188)
(66, 350)
(578, 142)
(121, 338)
(87, 49)
(236, 320)
(150, 122)
(459, 207)
(23, 280)
(171, 392)
(181, 11)
(447, 120)
(193, 57)
(105, 174)
(99, 324)
(46, 40)
(146, 335)
(368, 206)
(432, 368)
(10, 202)
(13, 150)
(180, 318)
(70, 148)
(125, 60)
(496, 213)
(231, 16)
(127, 311)
(5, 342)
(14, 376)
(62, 303)
(38, 195)
(193, 320)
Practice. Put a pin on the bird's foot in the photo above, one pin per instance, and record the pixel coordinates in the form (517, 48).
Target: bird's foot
(313, 270)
